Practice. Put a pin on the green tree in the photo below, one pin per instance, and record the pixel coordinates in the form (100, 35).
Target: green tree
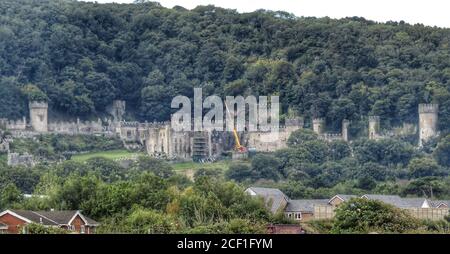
(442, 152)
(239, 172)
(156, 166)
(299, 137)
(142, 221)
(265, 166)
(34, 93)
(10, 196)
(35, 228)
(422, 167)
(361, 215)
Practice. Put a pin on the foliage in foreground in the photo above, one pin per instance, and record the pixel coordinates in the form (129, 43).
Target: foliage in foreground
(361, 215)
(35, 228)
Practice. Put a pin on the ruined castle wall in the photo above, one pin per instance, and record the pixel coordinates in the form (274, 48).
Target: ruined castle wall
(157, 141)
(79, 127)
(15, 159)
(181, 145)
(20, 124)
(269, 141)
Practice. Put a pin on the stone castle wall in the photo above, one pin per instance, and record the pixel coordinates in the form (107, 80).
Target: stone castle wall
(78, 127)
(159, 139)
(20, 124)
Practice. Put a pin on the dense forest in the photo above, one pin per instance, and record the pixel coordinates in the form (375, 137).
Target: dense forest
(83, 55)
(80, 56)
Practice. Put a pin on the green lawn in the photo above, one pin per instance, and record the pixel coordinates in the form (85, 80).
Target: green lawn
(114, 154)
(178, 166)
(181, 166)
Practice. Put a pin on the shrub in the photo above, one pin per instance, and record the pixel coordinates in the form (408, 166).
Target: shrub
(361, 215)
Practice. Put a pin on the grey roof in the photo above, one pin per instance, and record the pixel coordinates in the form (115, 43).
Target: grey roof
(412, 202)
(274, 198)
(398, 201)
(388, 199)
(345, 197)
(51, 217)
(35, 217)
(436, 203)
(60, 217)
(304, 205)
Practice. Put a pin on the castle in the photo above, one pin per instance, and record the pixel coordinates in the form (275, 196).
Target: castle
(160, 140)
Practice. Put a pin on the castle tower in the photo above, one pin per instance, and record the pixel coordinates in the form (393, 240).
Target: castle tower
(117, 110)
(374, 127)
(345, 124)
(319, 125)
(428, 121)
(39, 116)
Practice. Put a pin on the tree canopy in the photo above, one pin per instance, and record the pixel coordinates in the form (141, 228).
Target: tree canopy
(82, 55)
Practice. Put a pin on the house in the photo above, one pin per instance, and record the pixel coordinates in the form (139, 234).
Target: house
(274, 199)
(15, 220)
(303, 209)
(308, 209)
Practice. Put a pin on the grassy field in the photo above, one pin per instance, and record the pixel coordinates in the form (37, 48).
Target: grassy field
(113, 154)
(181, 166)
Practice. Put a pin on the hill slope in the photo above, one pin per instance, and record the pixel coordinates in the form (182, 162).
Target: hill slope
(83, 55)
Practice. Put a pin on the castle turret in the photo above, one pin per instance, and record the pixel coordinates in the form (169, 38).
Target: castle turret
(374, 127)
(428, 121)
(117, 110)
(319, 125)
(345, 124)
(39, 116)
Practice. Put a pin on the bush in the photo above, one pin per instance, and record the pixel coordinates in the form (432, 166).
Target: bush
(34, 228)
(150, 222)
(422, 167)
(361, 215)
(205, 172)
(239, 172)
(442, 152)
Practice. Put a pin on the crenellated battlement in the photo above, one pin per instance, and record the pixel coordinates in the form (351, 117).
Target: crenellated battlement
(294, 121)
(330, 136)
(135, 124)
(428, 108)
(19, 124)
(318, 120)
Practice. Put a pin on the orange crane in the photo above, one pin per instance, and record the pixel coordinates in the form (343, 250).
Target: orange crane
(237, 146)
